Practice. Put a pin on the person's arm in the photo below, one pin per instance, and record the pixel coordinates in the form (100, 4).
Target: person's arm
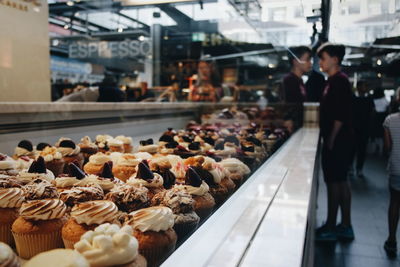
(337, 125)
(387, 142)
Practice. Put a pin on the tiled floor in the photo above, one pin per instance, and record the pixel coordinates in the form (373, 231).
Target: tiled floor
(369, 214)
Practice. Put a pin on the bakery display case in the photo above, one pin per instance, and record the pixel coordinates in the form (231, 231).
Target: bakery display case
(183, 176)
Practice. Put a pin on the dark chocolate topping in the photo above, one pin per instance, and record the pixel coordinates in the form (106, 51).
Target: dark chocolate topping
(172, 144)
(166, 138)
(192, 178)
(194, 146)
(187, 139)
(42, 146)
(67, 143)
(38, 166)
(144, 172)
(168, 177)
(209, 140)
(75, 171)
(26, 144)
(2, 157)
(248, 148)
(205, 175)
(147, 142)
(107, 171)
(254, 140)
(232, 139)
(219, 146)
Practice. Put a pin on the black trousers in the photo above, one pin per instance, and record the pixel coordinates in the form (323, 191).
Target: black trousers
(360, 152)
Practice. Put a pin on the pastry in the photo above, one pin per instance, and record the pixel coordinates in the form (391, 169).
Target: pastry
(237, 170)
(38, 228)
(110, 245)
(73, 177)
(204, 203)
(101, 142)
(115, 145)
(145, 177)
(24, 148)
(153, 228)
(129, 198)
(162, 166)
(127, 141)
(125, 166)
(85, 217)
(8, 166)
(70, 152)
(8, 257)
(37, 170)
(58, 257)
(11, 199)
(148, 146)
(182, 205)
(39, 189)
(96, 163)
(105, 180)
(53, 159)
(80, 194)
(88, 148)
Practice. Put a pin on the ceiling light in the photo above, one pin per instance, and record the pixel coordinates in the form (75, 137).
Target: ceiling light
(141, 38)
(120, 30)
(379, 75)
(66, 26)
(379, 62)
(70, 3)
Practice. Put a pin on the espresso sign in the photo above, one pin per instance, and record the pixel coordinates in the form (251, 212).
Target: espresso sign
(124, 49)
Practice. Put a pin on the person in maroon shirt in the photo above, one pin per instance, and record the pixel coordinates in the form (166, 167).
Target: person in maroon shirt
(338, 143)
(293, 86)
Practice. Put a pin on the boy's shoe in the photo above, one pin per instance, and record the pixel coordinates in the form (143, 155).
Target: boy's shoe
(344, 233)
(324, 234)
(390, 248)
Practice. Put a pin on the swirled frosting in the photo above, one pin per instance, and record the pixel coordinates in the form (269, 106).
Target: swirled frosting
(44, 209)
(80, 194)
(195, 191)
(152, 149)
(26, 177)
(63, 182)
(179, 201)
(108, 245)
(125, 194)
(11, 197)
(50, 154)
(114, 142)
(233, 165)
(105, 183)
(157, 181)
(128, 160)
(99, 158)
(7, 163)
(40, 189)
(143, 155)
(125, 139)
(68, 151)
(24, 162)
(20, 151)
(94, 212)
(152, 219)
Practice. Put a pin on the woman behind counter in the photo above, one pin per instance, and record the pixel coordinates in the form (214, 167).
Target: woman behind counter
(338, 141)
(208, 87)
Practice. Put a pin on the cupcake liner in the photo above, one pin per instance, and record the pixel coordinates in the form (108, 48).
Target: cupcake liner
(184, 230)
(204, 213)
(157, 255)
(6, 234)
(68, 244)
(29, 245)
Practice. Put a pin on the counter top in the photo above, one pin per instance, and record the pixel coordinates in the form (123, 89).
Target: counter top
(264, 222)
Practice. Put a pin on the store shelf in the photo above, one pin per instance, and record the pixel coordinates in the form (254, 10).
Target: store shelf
(264, 222)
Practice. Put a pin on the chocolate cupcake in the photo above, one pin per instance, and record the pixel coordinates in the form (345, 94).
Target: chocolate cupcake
(70, 152)
(129, 198)
(88, 148)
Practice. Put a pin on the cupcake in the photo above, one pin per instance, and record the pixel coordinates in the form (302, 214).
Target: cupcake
(127, 141)
(204, 203)
(70, 152)
(24, 148)
(125, 166)
(39, 189)
(237, 170)
(182, 205)
(115, 145)
(101, 142)
(38, 228)
(183, 152)
(58, 257)
(37, 170)
(8, 257)
(53, 159)
(145, 177)
(162, 166)
(105, 180)
(178, 167)
(109, 245)
(129, 198)
(8, 166)
(88, 148)
(85, 217)
(96, 163)
(271, 141)
(148, 146)
(73, 177)
(153, 228)
(11, 199)
(143, 155)
(81, 194)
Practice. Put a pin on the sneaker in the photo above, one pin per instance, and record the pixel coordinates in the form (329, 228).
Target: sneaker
(323, 234)
(344, 233)
(390, 248)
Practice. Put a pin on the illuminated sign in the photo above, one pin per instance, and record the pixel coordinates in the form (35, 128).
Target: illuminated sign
(125, 49)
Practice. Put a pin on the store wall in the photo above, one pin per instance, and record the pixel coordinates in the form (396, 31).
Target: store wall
(24, 51)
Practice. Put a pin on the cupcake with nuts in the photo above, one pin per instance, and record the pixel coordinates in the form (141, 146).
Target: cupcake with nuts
(109, 245)
(129, 198)
(40, 189)
(145, 177)
(87, 216)
(153, 228)
(182, 205)
(125, 166)
(81, 194)
(38, 228)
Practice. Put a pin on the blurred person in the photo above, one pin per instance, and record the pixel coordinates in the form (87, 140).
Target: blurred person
(363, 109)
(109, 90)
(208, 86)
(338, 139)
(315, 86)
(391, 127)
(145, 94)
(293, 86)
(381, 111)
